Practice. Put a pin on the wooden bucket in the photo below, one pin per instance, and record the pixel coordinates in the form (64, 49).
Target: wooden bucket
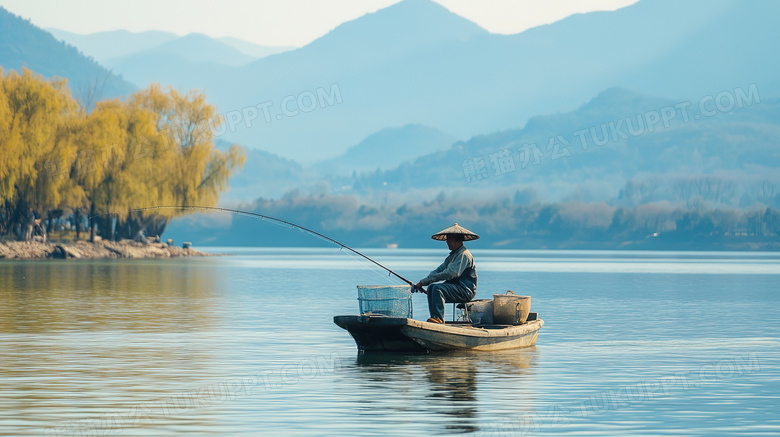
(510, 309)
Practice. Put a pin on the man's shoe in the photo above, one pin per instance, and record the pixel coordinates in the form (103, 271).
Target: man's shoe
(435, 320)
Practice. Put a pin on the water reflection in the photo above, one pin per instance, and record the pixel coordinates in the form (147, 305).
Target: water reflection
(449, 382)
(38, 297)
(81, 340)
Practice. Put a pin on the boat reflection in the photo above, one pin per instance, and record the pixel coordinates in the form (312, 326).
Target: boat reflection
(449, 382)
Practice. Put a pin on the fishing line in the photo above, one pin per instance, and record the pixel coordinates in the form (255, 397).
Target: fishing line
(274, 220)
(363, 263)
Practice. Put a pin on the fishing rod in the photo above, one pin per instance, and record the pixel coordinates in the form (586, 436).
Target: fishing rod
(280, 221)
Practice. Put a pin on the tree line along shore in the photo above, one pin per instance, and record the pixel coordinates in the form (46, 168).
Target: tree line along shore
(97, 162)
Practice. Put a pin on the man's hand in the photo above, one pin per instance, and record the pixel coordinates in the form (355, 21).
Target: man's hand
(419, 287)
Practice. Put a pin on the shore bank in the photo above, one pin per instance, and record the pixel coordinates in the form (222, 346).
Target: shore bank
(87, 250)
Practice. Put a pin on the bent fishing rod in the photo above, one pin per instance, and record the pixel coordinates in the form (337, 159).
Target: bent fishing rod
(280, 221)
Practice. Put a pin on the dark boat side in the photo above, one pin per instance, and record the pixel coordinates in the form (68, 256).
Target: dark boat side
(378, 333)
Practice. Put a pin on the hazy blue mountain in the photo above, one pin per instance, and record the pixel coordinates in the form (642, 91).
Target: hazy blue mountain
(194, 47)
(387, 149)
(115, 43)
(264, 175)
(256, 51)
(407, 28)
(590, 153)
(176, 61)
(25, 45)
(674, 48)
(362, 58)
(416, 62)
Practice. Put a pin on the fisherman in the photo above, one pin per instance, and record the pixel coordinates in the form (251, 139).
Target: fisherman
(458, 273)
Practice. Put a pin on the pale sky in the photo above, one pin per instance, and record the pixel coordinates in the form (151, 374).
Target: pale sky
(277, 22)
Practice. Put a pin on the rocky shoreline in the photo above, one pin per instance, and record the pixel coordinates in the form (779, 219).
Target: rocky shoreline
(86, 250)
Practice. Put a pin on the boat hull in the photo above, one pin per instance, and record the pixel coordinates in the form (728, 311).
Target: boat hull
(377, 333)
(381, 333)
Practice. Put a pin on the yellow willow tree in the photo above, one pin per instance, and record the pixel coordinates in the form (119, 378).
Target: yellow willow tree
(149, 156)
(100, 160)
(41, 122)
(120, 165)
(198, 170)
(10, 147)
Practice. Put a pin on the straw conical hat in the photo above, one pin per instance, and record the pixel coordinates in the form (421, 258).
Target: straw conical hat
(455, 230)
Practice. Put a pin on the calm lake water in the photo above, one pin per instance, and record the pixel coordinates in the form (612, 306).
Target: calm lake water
(634, 343)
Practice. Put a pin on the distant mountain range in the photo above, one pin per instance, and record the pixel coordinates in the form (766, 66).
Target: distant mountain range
(616, 139)
(103, 46)
(386, 149)
(25, 45)
(271, 176)
(164, 57)
(417, 62)
(109, 47)
(174, 60)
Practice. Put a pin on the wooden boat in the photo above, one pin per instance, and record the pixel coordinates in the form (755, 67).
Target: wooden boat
(374, 332)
